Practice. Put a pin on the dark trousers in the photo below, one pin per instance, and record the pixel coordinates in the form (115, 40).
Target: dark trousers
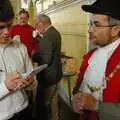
(41, 108)
(43, 102)
(25, 114)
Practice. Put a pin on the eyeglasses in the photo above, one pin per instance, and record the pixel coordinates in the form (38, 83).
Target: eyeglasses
(5, 26)
(94, 25)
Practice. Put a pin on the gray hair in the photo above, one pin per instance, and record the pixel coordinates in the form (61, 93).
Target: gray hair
(44, 18)
(112, 21)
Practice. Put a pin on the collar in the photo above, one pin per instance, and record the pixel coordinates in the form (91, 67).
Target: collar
(111, 45)
(48, 27)
(12, 42)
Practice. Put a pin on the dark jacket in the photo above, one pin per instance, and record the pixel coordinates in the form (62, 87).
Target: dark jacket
(49, 47)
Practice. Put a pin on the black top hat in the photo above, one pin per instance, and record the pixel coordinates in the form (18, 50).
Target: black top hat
(105, 7)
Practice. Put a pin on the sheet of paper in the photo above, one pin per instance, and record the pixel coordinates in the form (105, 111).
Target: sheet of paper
(35, 71)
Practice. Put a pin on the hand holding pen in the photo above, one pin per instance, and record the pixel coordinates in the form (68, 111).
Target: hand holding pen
(15, 82)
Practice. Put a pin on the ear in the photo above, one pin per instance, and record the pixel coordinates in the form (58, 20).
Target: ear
(115, 31)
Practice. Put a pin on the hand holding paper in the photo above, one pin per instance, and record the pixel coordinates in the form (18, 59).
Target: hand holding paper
(35, 71)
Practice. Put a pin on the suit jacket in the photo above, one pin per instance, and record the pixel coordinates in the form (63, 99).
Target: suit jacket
(49, 47)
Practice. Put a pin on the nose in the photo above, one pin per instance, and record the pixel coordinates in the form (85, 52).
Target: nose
(91, 29)
(6, 30)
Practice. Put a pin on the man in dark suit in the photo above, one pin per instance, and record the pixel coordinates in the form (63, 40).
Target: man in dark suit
(49, 47)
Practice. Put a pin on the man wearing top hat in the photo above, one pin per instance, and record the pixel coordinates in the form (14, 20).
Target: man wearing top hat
(97, 89)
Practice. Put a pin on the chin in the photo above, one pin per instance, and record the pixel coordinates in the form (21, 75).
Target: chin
(4, 41)
(23, 24)
(94, 41)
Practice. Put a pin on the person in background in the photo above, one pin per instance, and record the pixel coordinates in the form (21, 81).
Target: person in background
(49, 47)
(25, 31)
(97, 89)
(14, 62)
